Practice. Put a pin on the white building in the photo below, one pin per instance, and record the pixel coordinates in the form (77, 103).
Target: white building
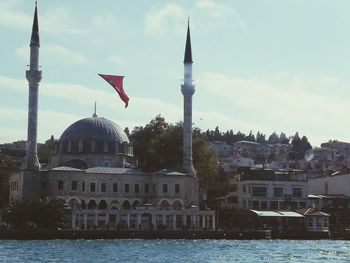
(263, 189)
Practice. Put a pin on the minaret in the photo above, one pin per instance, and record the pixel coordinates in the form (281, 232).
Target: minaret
(33, 76)
(187, 90)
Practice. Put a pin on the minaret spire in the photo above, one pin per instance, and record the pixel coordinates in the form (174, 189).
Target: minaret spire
(33, 76)
(188, 50)
(187, 90)
(34, 41)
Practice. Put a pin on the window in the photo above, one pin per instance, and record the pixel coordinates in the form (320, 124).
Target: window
(255, 204)
(69, 147)
(60, 185)
(296, 192)
(278, 192)
(115, 187)
(146, 188)
(244, 189)
(74, 185)
(103, 187)
(126, 188)
(294, 205)
(165, 188)
(93, 146)
(177, 188)
(80, 146)
(263, 204)
(274, 205)
(83, 187)
(137, 188)
(154, 188)
(105, 147)
(92, 187)
(259, 191)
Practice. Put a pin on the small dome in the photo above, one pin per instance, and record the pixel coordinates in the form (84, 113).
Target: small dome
(94, 128)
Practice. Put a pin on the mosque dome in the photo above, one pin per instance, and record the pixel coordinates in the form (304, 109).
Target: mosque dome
(94, 128)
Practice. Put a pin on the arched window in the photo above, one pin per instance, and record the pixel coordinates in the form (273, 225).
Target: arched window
(93, 146)
(80, 146)
(102, 204)
(74, 203)
(177, 205)
(105, 147)
(92, 204)
(69, 147)
(164, 205)
(134, 204)
(126, 205)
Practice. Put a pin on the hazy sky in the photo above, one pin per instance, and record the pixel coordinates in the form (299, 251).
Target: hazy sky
(260, 65)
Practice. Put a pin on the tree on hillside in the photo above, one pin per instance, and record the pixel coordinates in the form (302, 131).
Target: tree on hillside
(260, 138)
(158, 145)
(299, 147)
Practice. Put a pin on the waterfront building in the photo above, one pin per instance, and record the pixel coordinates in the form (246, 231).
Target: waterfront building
(94, 171)
(263, 189)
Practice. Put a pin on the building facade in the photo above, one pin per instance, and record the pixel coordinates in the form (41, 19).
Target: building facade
(263, 189)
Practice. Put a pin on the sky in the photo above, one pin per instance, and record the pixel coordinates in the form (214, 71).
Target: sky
(259, 65)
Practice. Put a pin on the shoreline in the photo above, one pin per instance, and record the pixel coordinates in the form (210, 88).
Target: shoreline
(125, 234)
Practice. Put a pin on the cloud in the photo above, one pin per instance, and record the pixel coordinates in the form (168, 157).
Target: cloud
(212, 15)
(159, 20)
(117, 60)
(18, 130)
(217, 15)
(53, 21)
(283, 104)
(54, 51)
(106, 21)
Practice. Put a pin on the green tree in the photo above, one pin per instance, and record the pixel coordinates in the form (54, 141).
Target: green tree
(48, 214)
(158, 145)
(299, 147)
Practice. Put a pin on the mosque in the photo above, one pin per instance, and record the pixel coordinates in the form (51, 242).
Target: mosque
(95, 172)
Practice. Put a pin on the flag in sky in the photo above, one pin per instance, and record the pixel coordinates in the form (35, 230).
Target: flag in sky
(117, 83)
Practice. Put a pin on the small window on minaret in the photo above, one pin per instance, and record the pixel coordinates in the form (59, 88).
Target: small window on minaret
(80, 146)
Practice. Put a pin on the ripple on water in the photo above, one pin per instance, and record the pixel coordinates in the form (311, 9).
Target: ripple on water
(174, 251)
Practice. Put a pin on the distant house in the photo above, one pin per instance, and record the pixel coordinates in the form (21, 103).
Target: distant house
(316, 220)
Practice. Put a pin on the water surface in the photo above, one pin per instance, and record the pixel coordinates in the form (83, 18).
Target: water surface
(174, 251)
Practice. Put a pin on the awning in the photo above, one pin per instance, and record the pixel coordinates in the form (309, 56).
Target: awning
(277, 213)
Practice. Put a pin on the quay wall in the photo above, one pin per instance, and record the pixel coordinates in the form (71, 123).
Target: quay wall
(115, 234)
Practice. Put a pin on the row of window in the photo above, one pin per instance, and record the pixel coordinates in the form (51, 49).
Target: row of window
(114, 187)
(261, 191)
(274, 205)
(93, 146)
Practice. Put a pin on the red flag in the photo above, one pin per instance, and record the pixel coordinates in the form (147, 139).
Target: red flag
(117, 83)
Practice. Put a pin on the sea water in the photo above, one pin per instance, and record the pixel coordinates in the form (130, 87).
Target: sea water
(175, 251)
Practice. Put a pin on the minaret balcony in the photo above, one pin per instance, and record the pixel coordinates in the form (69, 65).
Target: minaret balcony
(33, 75)
(187, 89)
